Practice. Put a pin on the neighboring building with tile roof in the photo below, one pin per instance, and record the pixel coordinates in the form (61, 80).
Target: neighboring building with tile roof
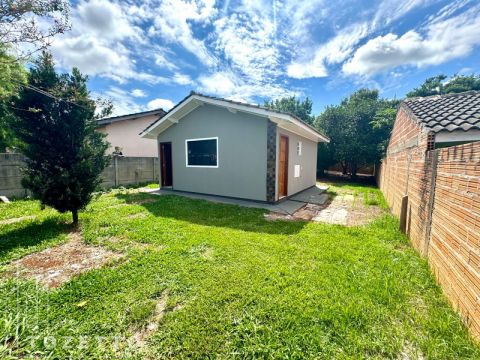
(123, 133)
(450, 119)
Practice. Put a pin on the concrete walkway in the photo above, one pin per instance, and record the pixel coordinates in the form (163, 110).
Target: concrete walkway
(287, 207)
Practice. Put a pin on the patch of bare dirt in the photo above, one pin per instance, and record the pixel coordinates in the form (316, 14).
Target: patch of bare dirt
(134, 244)
(410, 352)
(143, 201)
(55, 266)
(204, 251)
(141, 335)
(306, 213)
(140, 215)
(344, 209)
(15, 220)
(116, 206)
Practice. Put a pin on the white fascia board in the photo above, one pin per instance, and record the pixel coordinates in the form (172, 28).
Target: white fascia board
(150, 133)
(200, 100)
(273, 116)
(459, 135)
(300, 131)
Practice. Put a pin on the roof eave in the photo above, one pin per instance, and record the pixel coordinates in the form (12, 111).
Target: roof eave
(233, 107)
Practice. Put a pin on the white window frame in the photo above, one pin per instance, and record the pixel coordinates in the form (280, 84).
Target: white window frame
(200, 166)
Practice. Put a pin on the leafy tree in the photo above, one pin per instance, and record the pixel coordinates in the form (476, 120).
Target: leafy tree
(294, 106)
(56, 126)
(12, 76)
(440, 84)
(358, 129)
(382, 124)
(19, 27)
(461, 83)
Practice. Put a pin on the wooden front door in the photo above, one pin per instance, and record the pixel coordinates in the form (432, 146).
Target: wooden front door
(283, 167)
(166, 164)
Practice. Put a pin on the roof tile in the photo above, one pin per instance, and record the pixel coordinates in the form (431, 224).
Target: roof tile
(449, 112)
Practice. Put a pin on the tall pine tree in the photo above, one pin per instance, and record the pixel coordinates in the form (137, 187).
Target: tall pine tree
(56, 128)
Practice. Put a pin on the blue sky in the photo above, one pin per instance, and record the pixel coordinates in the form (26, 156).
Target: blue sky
(150, 54)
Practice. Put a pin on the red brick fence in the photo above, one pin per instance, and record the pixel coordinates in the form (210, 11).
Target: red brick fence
(439, 191)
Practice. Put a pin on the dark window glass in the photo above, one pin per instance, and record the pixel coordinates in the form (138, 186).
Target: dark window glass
(202, 152)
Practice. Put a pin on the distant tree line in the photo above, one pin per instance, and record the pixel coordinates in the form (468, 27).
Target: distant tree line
(359, 127)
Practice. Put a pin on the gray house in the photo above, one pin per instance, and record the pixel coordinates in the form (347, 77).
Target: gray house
(220, 147)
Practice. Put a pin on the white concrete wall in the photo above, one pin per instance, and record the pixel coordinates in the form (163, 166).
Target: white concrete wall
(125, 135)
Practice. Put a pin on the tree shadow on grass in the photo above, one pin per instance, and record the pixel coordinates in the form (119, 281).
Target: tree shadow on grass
(29, 238)
(206, 213)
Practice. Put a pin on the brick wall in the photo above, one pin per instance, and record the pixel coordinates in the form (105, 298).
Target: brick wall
(443, 209)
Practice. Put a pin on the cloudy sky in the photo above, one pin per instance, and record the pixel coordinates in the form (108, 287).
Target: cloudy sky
(150, 54)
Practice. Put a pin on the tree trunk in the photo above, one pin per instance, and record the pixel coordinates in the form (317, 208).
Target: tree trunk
(75, 217)
(354, 169)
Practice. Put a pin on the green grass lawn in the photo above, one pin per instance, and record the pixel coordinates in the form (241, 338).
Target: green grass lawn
(234, 286)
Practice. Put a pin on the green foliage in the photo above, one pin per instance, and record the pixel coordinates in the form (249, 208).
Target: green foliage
(382, 125)
(358, 129)
(440, 84)
(57, 132)
(268, 289)
(294, 106)
(12, 75)
(325, 158)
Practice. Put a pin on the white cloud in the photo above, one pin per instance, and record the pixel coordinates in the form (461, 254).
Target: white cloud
(182, 79)
(443, 41)
(163, 62)
(219, 83)
(104, 18)
(333, 52)
(174, 24)
(100, 42)
(138, 93)
(123, 103)
(90, 56)
(248, 44)
(391, 10)
(164, 104)
(314, 60)
(227, 84)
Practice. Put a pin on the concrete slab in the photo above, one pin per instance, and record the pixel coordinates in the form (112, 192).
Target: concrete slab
(314, 195)
(290, 206)
(332, 216)
(286, 207)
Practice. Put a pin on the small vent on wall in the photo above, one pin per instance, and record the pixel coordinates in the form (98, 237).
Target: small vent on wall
(299, 148)
(431, 142)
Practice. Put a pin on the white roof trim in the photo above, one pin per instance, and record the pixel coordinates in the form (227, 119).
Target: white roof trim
(457, 135)
(280, 119)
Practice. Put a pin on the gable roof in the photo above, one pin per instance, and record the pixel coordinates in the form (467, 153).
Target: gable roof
(135, 116)
(191, 102)
(450, 112)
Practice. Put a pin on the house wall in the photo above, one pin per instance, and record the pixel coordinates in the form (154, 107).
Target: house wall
(125, 134)
(242, 149)
(443, 210)
(307, 162)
